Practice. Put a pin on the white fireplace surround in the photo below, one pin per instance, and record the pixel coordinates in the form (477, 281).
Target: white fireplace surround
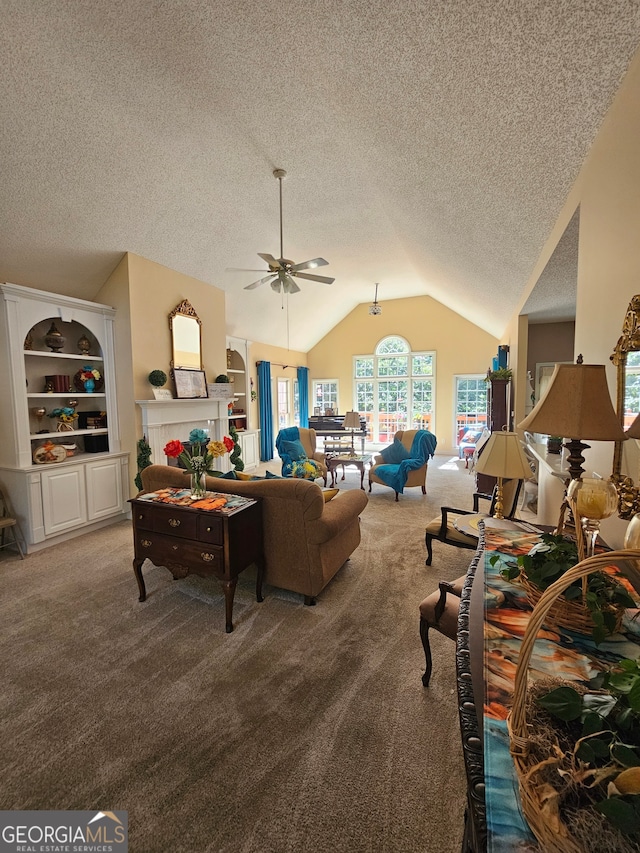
(164, 420)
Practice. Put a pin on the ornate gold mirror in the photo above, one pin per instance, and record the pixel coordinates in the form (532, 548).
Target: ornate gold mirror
(186, 342)
(626, 457)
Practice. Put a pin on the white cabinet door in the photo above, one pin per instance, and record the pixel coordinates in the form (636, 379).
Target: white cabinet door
(104, 488)
(64, 502)
(250, 449)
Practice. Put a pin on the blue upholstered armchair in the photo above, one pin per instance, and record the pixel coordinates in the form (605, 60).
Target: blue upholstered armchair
(404, 463)
(296, 445)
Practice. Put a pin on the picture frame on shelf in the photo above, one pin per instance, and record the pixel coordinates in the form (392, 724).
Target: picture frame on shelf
(317, 411)
(190, 384)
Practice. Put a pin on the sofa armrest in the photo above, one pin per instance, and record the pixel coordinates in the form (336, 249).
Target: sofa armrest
(338, 513)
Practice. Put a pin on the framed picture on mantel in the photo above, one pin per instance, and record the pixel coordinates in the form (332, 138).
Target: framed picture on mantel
(190, 383)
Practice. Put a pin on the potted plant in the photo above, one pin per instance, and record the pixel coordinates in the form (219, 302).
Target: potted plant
(595, 607)
(502, 373)
(158, 378)
(554, 444)
(587, 751)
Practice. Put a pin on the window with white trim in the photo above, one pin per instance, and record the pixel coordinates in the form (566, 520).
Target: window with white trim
(394, 388)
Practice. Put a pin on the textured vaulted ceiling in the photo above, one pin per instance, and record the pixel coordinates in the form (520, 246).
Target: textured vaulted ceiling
(429, 145)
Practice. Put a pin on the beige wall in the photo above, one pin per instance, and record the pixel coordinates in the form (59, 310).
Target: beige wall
(608, 193)
(460, 346)
(144, 294)
(278, 356)
(550, 342)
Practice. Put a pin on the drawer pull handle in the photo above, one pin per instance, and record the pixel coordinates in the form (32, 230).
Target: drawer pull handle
(174, 522)
(208, 558)
(208, 530)
(174, 547)
(146, 543)
(140, 517)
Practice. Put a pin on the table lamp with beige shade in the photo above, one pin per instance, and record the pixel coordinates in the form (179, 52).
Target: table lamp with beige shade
(352, 422)
(503, 457)
(577, 405)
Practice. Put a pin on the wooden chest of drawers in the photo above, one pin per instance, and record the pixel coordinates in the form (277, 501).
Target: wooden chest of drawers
(209, 543)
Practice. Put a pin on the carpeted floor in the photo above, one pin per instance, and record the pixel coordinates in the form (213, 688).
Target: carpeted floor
(307, 728)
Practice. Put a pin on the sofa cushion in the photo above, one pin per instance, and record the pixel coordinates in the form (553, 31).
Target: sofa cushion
(229, 475)
(328, 494)
(294, 450)
(395, 453)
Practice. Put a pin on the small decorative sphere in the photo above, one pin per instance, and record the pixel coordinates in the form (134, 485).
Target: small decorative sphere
(157, 378)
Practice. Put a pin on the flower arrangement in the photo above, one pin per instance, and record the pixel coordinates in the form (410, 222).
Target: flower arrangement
(198, 461)
(88, 372)
(306, 469)
(66, 414)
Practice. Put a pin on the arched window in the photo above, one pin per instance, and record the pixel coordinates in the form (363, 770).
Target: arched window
(394, 388)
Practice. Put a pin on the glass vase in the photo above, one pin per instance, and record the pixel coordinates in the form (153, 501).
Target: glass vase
(198, 486)
(593, 499)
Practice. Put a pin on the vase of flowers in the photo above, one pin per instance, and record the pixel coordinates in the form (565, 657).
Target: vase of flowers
(89, 376)
(198, 459)
(67, 417)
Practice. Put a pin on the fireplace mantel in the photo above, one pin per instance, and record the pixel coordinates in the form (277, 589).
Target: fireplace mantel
(163, 420)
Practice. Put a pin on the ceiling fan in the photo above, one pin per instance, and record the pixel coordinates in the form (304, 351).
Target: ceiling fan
(283, 271)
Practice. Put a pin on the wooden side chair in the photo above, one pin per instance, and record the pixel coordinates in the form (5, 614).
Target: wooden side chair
(440, 611)
(443, 527)
(9, 524)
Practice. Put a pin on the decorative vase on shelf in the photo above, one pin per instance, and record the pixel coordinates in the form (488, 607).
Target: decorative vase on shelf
(84, 345)
(89, 386)
(54, 339)
(198, 486)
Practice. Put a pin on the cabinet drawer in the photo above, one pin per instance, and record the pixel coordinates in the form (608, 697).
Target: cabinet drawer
(199, 558)
(172, 521)
(210, 529)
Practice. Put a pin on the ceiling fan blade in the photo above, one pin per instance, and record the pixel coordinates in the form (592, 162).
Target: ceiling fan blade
(258, 282)
(309, 265)
(241, 269)
(273, 262)
(323, 279)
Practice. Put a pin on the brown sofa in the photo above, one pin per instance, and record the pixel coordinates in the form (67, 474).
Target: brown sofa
(306, 540)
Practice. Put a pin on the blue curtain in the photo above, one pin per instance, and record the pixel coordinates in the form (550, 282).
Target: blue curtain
(303, 391)
(265, 406)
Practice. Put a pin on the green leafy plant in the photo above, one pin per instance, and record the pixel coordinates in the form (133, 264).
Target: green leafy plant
(604, 725)
(157, 378)
(500, 373)
(222, 377)
(236, 453)
(143, 460)
(550, 559)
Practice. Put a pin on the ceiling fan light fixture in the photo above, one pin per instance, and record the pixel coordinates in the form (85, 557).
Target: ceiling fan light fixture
(283, 270)
(375, 309)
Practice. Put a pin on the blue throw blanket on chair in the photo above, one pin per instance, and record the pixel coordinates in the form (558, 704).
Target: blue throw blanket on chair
(423, 447)
(286, 434)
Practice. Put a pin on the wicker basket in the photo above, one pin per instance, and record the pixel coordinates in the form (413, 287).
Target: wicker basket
(551, 837)
(573, 614)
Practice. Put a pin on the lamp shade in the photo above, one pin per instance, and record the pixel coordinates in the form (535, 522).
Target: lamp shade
(351, 420)
(634, 429)
(576, 405)
(503, 456)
